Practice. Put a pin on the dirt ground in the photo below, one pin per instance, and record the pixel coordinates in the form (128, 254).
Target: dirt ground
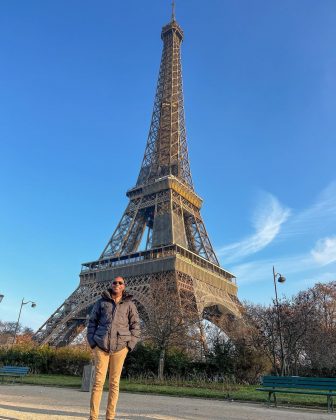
(40, 403)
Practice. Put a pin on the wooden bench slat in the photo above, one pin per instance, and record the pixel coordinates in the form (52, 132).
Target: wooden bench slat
(14, 368)
(289, 391)
(301, 386)
(327, 383)
(298, 378)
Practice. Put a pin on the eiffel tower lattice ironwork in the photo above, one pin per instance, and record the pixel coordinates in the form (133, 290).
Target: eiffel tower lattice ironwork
(163, 215)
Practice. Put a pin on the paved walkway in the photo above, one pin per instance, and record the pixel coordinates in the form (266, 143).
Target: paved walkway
(48, 403)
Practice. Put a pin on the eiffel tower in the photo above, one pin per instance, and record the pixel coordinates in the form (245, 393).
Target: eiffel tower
(162, 217)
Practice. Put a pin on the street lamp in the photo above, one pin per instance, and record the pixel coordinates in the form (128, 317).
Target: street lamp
(1, 297)
(33, 305)
(281, 279)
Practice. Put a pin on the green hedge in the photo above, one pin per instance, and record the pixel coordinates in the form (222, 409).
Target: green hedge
(224, 362)
(65, 361)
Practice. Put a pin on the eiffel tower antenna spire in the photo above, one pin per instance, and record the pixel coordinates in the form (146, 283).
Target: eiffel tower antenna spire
(173, 11)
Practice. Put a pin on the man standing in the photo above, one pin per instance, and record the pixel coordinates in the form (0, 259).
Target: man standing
(113, 330)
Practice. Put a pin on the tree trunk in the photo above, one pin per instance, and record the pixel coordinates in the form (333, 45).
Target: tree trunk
(161, 364)
(202, 339)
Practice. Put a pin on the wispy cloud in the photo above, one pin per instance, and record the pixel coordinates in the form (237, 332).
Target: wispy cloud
(324, 252)
(272, 219)
(297, 265)
(267, 220)
(301, 267)
(261, 270)
(305, 250)
(309, 220)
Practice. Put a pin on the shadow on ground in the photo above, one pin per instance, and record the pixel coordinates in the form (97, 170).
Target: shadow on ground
(69, 414)
(41, 411)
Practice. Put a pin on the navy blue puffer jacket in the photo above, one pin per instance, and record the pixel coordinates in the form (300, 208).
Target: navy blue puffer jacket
(113, 326)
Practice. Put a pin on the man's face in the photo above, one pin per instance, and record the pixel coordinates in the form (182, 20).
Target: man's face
(118, 286)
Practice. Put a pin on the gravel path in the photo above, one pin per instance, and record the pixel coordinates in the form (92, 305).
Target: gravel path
(48, 403)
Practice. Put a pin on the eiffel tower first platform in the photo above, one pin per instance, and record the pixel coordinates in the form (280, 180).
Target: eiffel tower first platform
(162, 217)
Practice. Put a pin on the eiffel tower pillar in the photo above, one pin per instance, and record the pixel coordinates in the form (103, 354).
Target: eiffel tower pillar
(161, 237)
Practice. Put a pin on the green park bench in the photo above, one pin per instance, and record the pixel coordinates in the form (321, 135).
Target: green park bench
(13, 372)
(299, 385)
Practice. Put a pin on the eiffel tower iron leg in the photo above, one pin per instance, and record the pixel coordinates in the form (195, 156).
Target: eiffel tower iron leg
(73, 311)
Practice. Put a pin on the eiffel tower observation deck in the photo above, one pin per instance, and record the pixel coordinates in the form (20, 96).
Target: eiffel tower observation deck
(162, 217)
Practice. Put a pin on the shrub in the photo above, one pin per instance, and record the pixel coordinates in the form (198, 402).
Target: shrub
(142, 361)
(45, 359)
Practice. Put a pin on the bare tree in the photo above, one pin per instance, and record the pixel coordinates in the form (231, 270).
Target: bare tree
(320, 339)
(170, 321)
(308, 325)
(7, 330)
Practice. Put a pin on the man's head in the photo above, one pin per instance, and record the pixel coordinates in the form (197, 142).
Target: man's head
(118, 286)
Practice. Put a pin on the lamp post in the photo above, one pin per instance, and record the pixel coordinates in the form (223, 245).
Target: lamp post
(1, 297)
(281, 279)
(33, 304)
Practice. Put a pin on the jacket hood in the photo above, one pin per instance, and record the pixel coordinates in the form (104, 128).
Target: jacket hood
(107, 294)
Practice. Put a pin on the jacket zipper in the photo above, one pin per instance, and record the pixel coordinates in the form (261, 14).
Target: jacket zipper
(114, 310)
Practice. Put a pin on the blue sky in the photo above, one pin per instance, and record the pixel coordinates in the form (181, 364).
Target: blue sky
(77, 84)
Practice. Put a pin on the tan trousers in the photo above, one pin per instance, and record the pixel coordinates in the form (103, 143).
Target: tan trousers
(115, 362)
